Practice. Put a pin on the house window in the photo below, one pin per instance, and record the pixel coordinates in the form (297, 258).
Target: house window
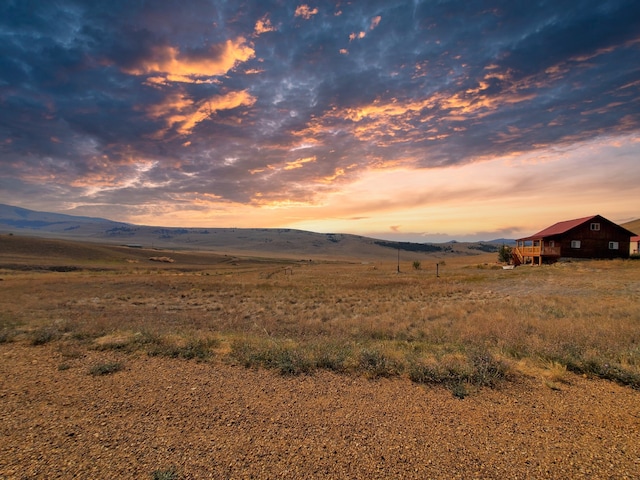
(552, 243)
(575, 243)
(595, 227)
(613, 245)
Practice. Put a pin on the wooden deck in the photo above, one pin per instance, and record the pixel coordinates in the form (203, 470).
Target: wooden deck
(538, 251)
(520, 253)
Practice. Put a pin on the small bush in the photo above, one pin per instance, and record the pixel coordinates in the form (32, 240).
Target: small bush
(44, 335)
(193, 349)
(487, 371)
(283, 357)
(376, 364)
(577, 360)
(6, 335)
(556, 372)
(608, 371)
(290, 362)
(449, 370)
(456, 370)
(106, 368)
(170, 474)
(427, 374)
(416, 264)
(459, 390)
(332, 357)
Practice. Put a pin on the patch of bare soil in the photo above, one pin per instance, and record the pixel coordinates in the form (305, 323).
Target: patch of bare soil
(212, 420)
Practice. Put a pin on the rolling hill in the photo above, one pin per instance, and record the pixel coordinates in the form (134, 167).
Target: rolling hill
(245, 241)
(633, 226)
(281, 242)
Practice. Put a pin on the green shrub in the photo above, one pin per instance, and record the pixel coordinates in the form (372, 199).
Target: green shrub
(170, 474)
(44, 335)
(196, 348)
(504, 254)
(487, 370)
(106, 368)
(456, 371)
(332, 357)
(290, 361)
(376, 364)
(7, 335)
(285, 358)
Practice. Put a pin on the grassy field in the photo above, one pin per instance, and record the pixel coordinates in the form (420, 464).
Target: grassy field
(475, 325)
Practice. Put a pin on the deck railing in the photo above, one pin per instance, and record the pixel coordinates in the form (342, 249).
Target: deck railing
(537, 251)
(529, 251)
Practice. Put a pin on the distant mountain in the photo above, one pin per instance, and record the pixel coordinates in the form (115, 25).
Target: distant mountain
(502, 241)
(13, 219)
(23, 218)
(285, 242)
(279, 241)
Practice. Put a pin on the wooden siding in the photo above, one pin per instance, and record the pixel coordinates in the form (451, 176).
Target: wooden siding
(595, 243)
(594, 235)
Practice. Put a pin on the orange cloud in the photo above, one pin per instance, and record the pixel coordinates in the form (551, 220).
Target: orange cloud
(358, 35)
(263, 26)
(169, 63)
(383, 123)
(299, 163)
(481, 105)
(305, 12)
(389, 122)
(389, 109)
(181, 111)
(375, 21)
(172, 103)
(597, 53)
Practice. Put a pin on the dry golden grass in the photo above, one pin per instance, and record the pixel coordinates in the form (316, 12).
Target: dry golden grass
(473, 325)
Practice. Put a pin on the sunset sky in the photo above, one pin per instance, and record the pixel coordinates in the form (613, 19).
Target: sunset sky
(406, 120)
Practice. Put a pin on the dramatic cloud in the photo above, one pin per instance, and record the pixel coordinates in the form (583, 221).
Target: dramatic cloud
(174, 66)
(263, 25)
(305, 12)
(212, 111)
(185, 114)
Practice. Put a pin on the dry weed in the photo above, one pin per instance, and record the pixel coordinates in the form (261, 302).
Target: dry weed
(466, 324)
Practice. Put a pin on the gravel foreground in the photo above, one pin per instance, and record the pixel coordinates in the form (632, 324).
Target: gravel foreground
(212, 420)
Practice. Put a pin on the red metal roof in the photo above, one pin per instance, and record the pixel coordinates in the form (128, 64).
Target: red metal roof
(559, 228)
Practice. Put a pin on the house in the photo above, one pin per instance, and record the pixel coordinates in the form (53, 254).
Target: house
(588, 237)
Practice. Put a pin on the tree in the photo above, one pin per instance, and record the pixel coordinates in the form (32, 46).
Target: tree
(504, 254)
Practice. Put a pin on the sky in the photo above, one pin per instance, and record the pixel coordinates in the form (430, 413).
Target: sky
(414, 120)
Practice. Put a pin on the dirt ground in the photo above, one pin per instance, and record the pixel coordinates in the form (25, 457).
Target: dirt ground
(212, 420)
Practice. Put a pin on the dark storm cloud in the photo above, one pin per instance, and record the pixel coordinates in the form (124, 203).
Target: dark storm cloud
(135, 102)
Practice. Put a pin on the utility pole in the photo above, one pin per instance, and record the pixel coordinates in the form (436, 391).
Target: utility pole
(398, 259)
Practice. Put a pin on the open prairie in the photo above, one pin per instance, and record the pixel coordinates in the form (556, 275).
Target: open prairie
(132, 363)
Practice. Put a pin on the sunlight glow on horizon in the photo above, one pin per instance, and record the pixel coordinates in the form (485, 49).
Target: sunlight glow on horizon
(439, 204)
